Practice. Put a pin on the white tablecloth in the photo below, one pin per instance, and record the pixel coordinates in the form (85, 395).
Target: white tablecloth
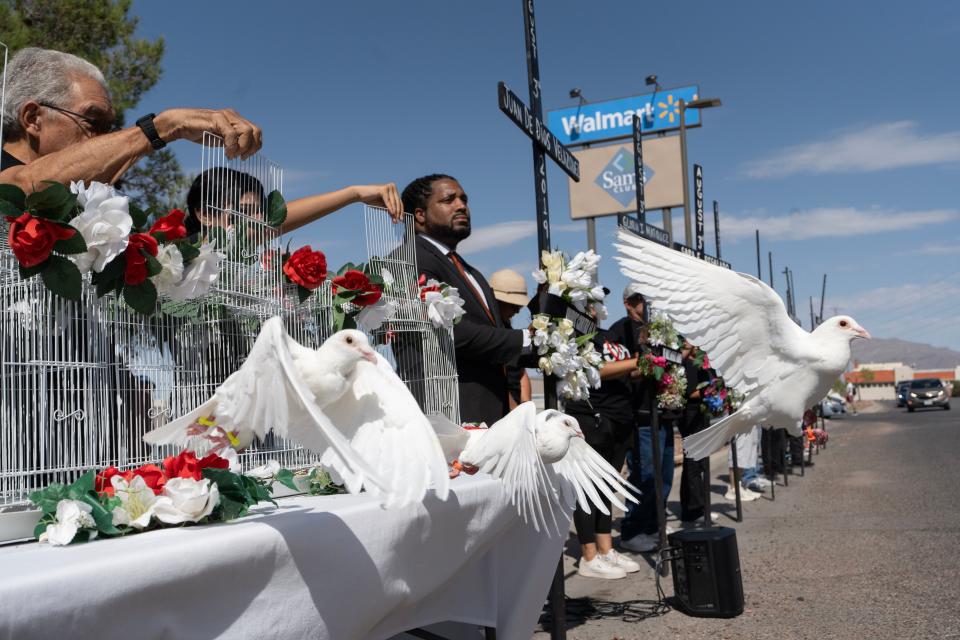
(317, 567)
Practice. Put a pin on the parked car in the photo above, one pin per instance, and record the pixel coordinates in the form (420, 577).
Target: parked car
(903, 389)
(927, 392)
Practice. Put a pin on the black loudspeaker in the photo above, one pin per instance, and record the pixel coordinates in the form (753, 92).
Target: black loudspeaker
(706, 572)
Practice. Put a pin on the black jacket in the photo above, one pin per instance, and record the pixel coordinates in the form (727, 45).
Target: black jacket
(482, 348)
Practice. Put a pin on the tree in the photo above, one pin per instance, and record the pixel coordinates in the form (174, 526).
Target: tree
(102, 31)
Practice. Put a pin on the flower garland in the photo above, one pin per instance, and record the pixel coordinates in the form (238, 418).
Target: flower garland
(671, 379)
(571, 359)
(63, 234)
(574, 281)
(444, 304)
(662, 332)
(183, 490)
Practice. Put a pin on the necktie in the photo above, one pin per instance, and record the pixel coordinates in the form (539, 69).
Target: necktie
(458, 263)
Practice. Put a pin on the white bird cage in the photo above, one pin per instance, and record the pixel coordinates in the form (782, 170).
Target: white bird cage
(83, 381)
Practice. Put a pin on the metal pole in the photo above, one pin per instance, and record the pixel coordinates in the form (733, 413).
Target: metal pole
(773, 474)
(823, 294)
(783, 455)
(658, 476)
(770, 261)
(716, 225)
(668, 222)
(698, 243)
(558, 630)
(706, 493)
(736, 480)
(687, 228)
(638, 177)
(592, 233)
(813, 321)
(759, 273)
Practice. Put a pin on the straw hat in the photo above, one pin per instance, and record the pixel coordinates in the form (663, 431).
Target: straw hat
(510, 287)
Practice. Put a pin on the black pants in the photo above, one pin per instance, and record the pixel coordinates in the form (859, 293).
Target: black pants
(695, 475)
(611, 440)
(771, 448)
(796, 449)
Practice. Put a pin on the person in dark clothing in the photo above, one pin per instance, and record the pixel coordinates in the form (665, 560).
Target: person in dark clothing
(481, 343)
(638, 530)
(695, 474)
(607, 423)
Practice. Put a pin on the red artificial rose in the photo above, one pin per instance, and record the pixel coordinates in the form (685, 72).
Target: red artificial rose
(184, 465)
(136, 271)
(102, 482)
(171, 225)
(706, 362)
(152, 475)
(357, 281)
(306, 267)
(425, 290)
(31, 239)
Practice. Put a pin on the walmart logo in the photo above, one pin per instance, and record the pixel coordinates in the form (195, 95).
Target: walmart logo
(617, 177)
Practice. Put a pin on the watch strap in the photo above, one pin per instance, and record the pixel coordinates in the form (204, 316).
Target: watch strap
(150, 130)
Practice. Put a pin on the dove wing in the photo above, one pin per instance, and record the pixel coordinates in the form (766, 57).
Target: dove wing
(587, 472)
(508, 451)
(391, 433)
(266, 394)
(737, 319)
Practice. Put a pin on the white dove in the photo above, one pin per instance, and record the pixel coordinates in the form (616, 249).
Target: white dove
(542, 459)
(341, 401)
(743, 326)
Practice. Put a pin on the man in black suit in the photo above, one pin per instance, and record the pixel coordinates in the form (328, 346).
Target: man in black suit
(483, 346)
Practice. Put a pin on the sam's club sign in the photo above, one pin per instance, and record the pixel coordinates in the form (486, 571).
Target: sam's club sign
(613, 119)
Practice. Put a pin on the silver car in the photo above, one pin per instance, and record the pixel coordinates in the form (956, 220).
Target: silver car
(927, 393)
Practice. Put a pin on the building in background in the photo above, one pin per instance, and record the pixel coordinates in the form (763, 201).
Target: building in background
(878, 380)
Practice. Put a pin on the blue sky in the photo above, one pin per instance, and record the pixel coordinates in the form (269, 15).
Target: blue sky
(837, 137)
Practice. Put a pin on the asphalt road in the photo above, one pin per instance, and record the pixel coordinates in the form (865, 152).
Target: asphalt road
(866, 545)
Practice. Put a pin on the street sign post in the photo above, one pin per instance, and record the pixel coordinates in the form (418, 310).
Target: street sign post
(638, 180)
(716, 225)
(698, 195)
(530, 121)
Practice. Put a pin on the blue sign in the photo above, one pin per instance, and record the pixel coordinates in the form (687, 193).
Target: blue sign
(618, 177)
(611, 119)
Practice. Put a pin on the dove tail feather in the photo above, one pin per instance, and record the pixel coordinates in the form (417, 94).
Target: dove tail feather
(175, 432)
(701, 444)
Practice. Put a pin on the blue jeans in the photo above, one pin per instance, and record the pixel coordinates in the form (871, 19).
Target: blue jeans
(642, 517)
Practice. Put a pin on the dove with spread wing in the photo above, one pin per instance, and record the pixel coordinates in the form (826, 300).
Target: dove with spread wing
(543, 461)
(744, 327)
(342, 401)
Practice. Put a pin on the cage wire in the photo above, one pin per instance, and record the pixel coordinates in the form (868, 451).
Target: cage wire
(82, 382)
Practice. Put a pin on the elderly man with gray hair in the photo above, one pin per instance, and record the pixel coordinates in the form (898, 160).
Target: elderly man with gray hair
(58, 124)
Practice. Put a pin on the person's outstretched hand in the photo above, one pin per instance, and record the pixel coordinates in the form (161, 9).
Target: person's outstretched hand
(382, 195)
(241, 138)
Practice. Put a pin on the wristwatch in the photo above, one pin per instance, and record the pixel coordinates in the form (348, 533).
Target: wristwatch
(150, 130)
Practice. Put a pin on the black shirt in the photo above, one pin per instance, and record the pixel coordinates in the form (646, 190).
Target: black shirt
(7, 160)
(614, 397)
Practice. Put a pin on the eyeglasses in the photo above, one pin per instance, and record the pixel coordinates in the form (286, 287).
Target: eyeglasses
(94, 127)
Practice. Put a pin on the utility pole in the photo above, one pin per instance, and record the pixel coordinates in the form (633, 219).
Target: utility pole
(823, 294)
(770, 260)
(759, 274)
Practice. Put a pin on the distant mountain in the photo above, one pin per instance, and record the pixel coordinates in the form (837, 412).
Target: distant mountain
(913, 354)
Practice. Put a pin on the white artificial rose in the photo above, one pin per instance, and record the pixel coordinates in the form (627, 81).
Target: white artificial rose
(388, 279)
(230, 455)
(596, 293)
(266, 471)
(137, 501)
(540, 276)
(104, 224)
(171, 274)
(373, 316)
(544, 365)
(200, 276)
(566, 327)
(72, 515)
(187, 500)
(540, 322)
(556, 288)
(552, 265)
(444, 307)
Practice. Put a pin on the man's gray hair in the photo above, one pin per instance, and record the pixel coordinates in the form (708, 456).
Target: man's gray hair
(41, 75)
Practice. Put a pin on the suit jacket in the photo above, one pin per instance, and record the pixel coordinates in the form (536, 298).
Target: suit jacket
(482, 348)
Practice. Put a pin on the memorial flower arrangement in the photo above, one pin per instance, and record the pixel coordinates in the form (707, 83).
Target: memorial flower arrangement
(181, 490)
(63, 234)
(444, 304)
(573, 360)
(662, 332)
(575, 281)
(357, 289)
(714, 395)
(671, 379)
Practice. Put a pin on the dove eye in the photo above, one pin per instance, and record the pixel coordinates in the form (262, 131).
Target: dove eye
(349, 340)
(843, 323)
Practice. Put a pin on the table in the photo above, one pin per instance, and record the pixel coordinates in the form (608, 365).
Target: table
(334, 567)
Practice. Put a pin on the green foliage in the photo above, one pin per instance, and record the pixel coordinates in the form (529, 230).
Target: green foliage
(62, 277)
(142, 297)
(102, 31)
(276, 209)
(321, 484)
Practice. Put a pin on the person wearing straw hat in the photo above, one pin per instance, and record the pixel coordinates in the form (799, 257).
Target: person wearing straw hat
(510, 291)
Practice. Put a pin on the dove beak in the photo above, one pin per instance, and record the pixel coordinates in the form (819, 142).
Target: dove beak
(369, 355)
(863, 333)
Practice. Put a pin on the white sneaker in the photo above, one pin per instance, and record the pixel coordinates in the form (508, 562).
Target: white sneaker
(758, 484)
(670, 530)
(745, 495)
(641, 543)
(598, 568)
(614, 559)
(693, 524)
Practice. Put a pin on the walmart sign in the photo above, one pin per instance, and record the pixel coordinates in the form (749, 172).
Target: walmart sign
(612, 119)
